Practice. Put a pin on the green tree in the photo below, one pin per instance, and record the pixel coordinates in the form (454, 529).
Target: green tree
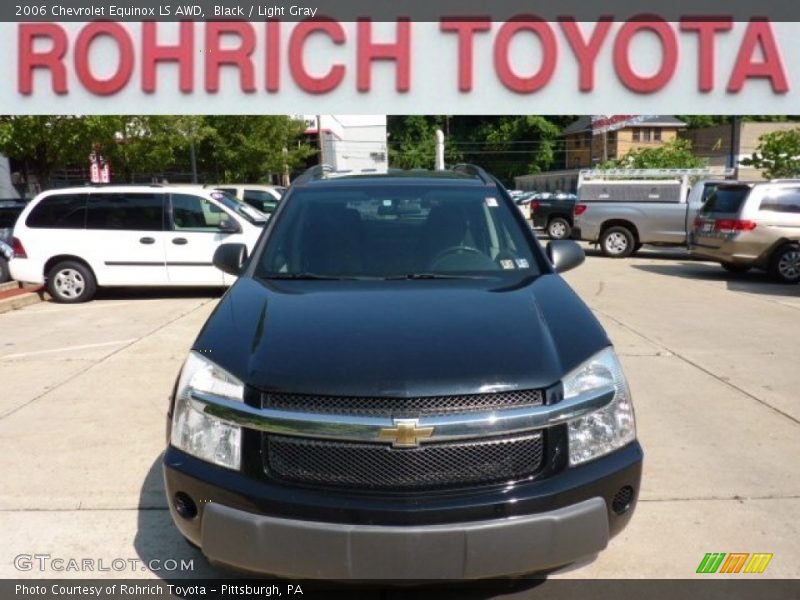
(676, 154)
(777, 155)
(515, 145)
(44, 144)
(251, 147)
(412, 142)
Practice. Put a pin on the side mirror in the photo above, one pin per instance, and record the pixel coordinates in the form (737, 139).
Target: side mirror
(230, 258)
(230, 226)
(565, 255)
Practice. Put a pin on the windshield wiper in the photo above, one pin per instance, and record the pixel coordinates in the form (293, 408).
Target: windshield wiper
(305, 277)
(430, 276)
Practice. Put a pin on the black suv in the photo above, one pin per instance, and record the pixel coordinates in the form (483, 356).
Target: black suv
(400, 385)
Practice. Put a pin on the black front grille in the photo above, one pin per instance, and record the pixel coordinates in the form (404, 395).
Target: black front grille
(402, 407)
(381, 467)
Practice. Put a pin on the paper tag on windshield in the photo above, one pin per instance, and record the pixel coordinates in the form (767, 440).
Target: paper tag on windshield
(522, 263)
(507, 264)
(491, 201)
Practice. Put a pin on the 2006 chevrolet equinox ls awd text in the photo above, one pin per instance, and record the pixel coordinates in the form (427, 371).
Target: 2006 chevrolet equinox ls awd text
(400, 385)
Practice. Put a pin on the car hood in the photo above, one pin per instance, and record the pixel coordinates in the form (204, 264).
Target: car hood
(400, 339)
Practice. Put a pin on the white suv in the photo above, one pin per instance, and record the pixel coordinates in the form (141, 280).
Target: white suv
(77, 239)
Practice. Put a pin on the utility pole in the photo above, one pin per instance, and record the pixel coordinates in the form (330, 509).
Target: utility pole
(193, 158)
(319, 139)
(735, 121)
(285, 181)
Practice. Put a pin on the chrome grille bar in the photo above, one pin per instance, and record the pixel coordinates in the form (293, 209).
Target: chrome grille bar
(368, 429)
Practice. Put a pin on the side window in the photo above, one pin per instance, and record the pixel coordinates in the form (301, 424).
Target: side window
(231, 191)
(137, 212)
(196, 213)
(783, 201)
(64, 211)
(257, 198)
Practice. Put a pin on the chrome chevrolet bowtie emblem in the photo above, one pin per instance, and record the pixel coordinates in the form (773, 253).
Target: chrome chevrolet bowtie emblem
(406, 433)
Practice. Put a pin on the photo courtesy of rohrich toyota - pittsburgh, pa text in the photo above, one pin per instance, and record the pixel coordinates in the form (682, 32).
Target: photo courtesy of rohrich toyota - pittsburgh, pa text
(445, 299)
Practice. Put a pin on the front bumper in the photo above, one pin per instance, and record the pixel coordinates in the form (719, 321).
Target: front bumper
(307, 549)
(294, 531)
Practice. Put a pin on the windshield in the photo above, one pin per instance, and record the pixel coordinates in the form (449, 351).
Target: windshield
(396, 232)
(253, 215)
(726, 199)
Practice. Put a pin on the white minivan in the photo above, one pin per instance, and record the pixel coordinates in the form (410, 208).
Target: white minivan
(75, 240)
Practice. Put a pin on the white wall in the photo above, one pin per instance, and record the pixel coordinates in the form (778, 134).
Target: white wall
(6, 189)
(353, 142)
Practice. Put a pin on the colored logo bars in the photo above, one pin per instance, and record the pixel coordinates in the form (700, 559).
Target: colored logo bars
(735, 562)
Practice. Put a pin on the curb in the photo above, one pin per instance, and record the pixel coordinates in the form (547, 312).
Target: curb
(9, 285)
(14, 296)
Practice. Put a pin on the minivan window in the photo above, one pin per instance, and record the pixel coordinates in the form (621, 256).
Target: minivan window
(196, 213)
(385, 232)
(726, 199)
(61, 211)
(786, 201)
(137, 212)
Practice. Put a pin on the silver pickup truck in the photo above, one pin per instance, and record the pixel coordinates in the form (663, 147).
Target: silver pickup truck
(622, 209)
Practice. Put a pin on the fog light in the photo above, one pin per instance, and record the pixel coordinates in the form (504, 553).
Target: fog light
(185, 506)
(622, 500)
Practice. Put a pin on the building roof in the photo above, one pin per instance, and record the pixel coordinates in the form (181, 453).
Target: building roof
(585, 123)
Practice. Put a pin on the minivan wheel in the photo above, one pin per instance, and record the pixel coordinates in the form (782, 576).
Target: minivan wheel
(785, 264)
(617, 242)
(70, 282)
(558, 228)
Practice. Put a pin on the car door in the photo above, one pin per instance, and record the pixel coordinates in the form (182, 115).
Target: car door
(126, 236)
(194, 236)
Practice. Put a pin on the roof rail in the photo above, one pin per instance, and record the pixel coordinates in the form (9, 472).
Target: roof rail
(110, 184)
(473, 170)
(313, 173)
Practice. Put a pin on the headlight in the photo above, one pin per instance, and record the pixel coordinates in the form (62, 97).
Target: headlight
(609, 428)
(199, 434)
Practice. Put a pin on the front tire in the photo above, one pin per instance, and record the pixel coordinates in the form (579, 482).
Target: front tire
(617, 242)
(785, 264)
(558, 228)
(70, 282)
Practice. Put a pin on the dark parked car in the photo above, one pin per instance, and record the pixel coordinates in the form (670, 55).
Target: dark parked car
(400, 385)
(554, 213)
(9, 211)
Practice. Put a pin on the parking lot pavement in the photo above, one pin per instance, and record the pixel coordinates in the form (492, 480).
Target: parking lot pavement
(712, 363)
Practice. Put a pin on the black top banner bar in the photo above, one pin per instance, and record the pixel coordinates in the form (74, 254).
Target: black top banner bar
(415, 10)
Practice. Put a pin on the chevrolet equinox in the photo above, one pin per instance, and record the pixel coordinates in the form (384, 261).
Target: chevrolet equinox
(400, 386)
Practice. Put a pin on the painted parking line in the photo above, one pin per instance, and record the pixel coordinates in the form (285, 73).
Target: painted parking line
(68, 349)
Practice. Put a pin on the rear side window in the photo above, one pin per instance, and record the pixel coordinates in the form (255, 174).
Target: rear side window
(139, 212)
(726, 199)
(785, 201)
(64, 211)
